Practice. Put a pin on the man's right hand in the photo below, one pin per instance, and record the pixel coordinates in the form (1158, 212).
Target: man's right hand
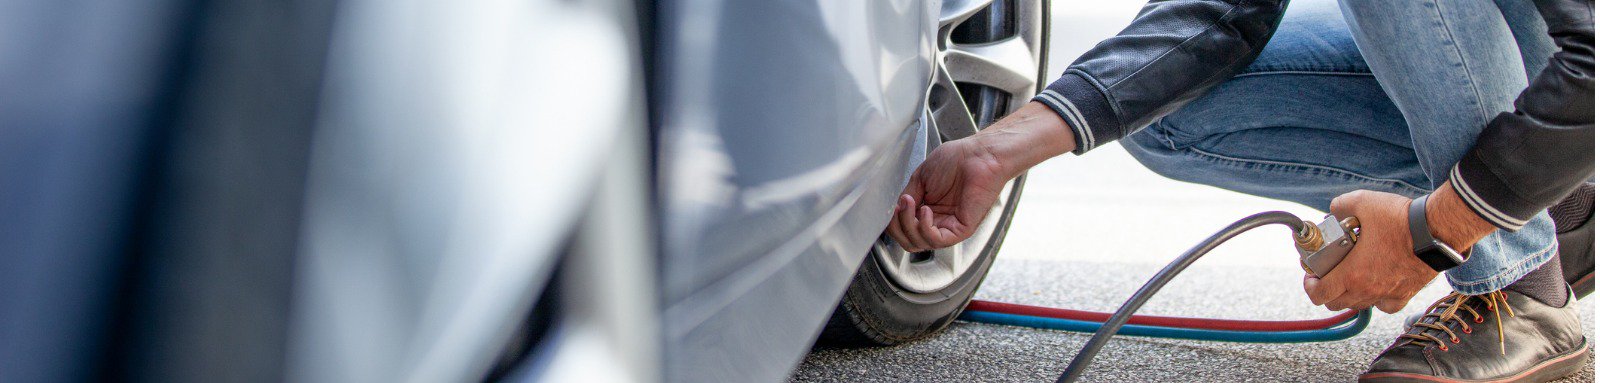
(951, 192)
(948, 196)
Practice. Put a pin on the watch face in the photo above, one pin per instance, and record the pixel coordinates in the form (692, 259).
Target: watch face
(1445, 250)
(1440, 257)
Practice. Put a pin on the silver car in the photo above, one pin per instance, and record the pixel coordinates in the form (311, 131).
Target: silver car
(785, 131)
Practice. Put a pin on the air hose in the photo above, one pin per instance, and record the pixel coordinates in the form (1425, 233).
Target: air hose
(1314, 242)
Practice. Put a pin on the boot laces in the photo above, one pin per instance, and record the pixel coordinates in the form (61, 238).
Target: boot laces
(1448, 309)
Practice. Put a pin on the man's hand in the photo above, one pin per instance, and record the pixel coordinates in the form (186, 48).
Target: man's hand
(1381, 270)
(952, 191)
(948, 196)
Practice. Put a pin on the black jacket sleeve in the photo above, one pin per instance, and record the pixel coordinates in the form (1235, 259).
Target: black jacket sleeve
(1172, 53)
(1529, 158)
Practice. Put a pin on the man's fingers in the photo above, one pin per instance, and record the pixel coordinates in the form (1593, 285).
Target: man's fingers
(896, 230)
(1363, 304)
(904, 220)
(1356, 296)
(1345, 204)
(1392, 305)
(1321, 290)
(908, 223)
(1346, 301)
(1397, 300)
(928, 231)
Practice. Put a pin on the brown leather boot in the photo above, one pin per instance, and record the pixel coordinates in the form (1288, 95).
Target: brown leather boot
(1501, 336)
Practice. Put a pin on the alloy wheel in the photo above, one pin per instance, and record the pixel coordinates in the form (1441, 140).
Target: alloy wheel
(987, 65)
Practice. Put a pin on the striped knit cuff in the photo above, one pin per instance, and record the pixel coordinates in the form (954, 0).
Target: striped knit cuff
(1476, 202)
(1070, 114)
(1085, 110)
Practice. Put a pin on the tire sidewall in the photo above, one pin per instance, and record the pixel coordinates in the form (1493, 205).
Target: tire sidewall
(891, 314)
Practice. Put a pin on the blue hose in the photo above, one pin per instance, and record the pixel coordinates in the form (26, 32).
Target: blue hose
(1117, 323)
(1343, 330)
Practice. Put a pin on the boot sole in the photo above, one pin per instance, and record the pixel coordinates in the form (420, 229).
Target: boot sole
(1583, 286)
(1552, 369)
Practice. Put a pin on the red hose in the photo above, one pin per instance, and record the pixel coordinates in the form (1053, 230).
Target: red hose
(1151, 320)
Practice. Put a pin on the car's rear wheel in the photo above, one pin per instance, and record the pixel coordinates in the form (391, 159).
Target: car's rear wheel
(991, 61)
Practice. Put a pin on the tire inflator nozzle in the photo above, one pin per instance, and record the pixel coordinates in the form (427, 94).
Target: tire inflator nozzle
(1322, 246)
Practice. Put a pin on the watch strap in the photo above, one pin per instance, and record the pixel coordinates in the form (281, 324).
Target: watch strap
(1421, 235)
(1430, 250)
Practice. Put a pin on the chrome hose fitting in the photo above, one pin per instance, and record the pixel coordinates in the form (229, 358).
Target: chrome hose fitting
(1322, 246)
(1308, 238)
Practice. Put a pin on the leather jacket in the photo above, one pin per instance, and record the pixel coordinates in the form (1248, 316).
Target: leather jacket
(1175, 51)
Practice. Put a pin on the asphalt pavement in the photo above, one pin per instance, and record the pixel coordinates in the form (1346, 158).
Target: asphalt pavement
(973, 352)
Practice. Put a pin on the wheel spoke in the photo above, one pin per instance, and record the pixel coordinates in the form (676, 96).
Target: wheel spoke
(957, 261)
(950, 114)
(953, 12)
(1008, 65)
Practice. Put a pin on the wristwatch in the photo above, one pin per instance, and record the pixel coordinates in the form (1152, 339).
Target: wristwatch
(1430, 250)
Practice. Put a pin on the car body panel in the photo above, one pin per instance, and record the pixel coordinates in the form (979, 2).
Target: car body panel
(448, 175)
(785, 130)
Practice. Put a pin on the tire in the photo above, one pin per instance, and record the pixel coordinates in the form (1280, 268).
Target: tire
(877, 312)
(882, 308)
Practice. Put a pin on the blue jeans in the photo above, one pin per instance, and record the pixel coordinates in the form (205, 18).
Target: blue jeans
(1366, 94)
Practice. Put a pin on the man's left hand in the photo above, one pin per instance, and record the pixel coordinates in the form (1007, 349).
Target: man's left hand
(1381, 270)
